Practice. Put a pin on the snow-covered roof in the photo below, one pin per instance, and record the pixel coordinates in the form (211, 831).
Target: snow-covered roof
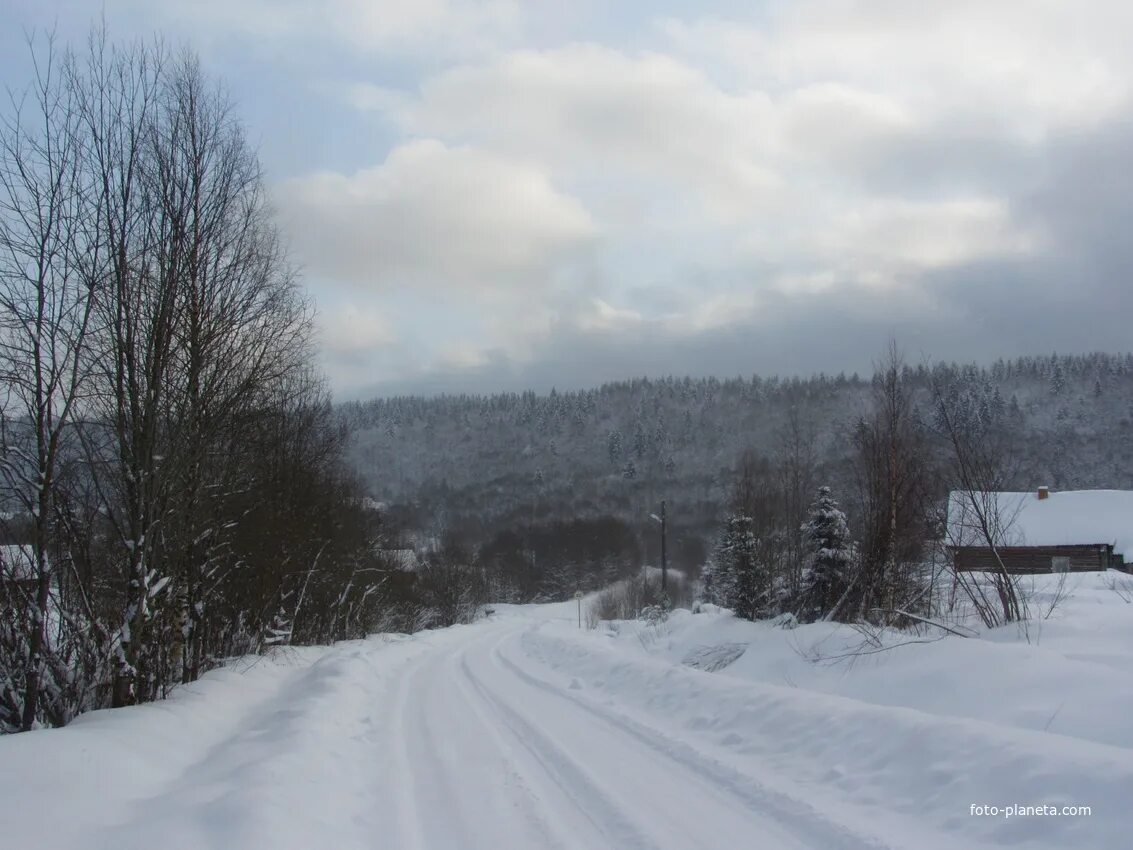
(1067, 518)
(17, 562)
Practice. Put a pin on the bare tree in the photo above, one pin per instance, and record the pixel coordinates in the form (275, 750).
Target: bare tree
(163, 428)
(451, 585)
(242, 326)
(796, 463)
(118, 92)
(893, 485)
(980, 468)
(46, 307)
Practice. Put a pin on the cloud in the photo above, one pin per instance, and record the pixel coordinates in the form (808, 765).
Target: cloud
(429, 28)
(353, 338)
(797, 173)
(1025, 68)
(350, 331)
(438, 217)
(828, 331)
(881, 237)
(587, 108)
(830, 122)
(598, 315)
(499, 194)
(779, 193)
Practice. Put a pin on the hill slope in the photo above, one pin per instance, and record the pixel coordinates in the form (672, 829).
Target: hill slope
(479, 464)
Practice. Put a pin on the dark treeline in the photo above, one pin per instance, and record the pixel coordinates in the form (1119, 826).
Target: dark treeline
(514, 470)
(173, 485)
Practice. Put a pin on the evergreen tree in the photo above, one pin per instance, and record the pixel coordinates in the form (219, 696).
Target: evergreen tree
(640, 442)
(1057, 377)
(614, 446)
(737, 578)
(710, 581)
(827, 572)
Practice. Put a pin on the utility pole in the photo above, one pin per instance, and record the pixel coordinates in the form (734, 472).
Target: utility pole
(664, 561)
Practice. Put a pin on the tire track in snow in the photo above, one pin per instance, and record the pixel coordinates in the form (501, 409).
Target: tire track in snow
(566, 773)
(435, 788)
(664, 806)
(407, 817)
(796, 815)
(522, 785)
(464, 784)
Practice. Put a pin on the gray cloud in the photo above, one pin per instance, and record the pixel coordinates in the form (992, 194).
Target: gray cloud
(739, 197)
(495, 195)
(1076, 296)
(434, 216)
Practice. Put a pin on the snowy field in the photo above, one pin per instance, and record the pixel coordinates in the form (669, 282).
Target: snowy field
(522, 731)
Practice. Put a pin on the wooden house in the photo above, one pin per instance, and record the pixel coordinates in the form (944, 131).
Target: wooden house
(1042, 531)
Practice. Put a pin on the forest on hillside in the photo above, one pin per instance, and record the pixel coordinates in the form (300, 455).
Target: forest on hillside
(539, 470)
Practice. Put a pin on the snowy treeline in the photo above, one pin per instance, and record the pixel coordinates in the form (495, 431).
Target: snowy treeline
(755, 578)
(478, 466)
(170, 468)
(741, 577)
(888, 567)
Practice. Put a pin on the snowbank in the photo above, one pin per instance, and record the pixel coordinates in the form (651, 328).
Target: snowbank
(524, 730)
(252, 755)
(926, 729)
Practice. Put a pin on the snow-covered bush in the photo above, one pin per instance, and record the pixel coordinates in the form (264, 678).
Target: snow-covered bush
(653, 614)
(631, 598)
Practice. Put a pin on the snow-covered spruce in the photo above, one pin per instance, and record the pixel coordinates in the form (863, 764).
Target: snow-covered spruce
(826, 572)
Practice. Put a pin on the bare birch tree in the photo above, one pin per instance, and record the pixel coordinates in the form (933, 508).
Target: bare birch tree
(118, 98)
(796, 464)
(980, 469)
(242, 324)
(163, 426)
(46, 307)
(892, 471)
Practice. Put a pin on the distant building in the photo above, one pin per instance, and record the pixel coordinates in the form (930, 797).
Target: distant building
(1042, 531)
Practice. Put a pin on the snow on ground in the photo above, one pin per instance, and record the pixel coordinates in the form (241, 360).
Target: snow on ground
(523, 731)
(1070, 674)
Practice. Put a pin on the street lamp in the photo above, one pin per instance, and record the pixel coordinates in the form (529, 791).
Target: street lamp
(664, 560)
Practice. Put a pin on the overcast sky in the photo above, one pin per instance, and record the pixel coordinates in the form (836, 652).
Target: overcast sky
(497, 195)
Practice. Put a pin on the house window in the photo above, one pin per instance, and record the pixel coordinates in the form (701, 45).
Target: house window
(1060, 564)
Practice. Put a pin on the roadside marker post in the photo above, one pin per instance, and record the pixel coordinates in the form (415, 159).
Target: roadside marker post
(578, 596)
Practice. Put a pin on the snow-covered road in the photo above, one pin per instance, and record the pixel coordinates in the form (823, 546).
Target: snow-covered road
(520, 732)
(497, 757)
